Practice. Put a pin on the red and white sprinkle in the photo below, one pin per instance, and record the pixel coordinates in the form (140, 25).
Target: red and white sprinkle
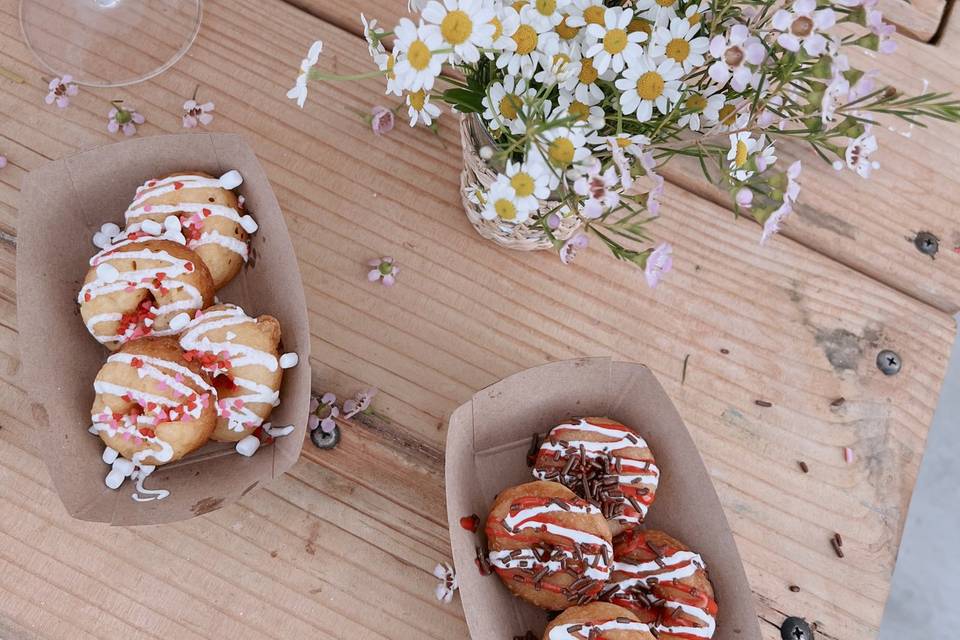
(847, 455)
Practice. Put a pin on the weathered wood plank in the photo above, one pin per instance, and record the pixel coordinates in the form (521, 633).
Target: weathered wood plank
(798, 331)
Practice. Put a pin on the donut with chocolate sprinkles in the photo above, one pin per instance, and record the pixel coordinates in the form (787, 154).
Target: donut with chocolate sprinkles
(598, 620)
(548, 546)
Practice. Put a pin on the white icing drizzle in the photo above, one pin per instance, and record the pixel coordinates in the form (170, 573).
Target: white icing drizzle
(596, 564)
(633, 472)
(676, 566)
(144, 278)
(234, 408)
(139, 426)
(584, 630)
(192, 214)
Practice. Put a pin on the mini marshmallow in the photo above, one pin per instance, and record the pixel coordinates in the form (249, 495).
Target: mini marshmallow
(107, 272)
(152, 227)
(248, 446)
(289, 360)
(231, 179)
(100, 240)
(179, 321)
(109, 455)
(114, 479)
(123, 466)
(249, 224)
(109, 229)
(277, 432)
(171, 223)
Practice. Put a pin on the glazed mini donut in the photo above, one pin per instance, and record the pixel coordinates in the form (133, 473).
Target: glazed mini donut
(141, 286)
(664, 583)
(152, 407)
(597, 620)
(201, 211)
(548, 546)
(240, 355)
(604, 462)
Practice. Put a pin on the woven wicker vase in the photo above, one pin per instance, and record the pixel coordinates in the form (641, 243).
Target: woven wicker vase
(477, 173)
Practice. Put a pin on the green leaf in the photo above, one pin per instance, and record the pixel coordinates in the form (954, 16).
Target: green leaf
(465, 100)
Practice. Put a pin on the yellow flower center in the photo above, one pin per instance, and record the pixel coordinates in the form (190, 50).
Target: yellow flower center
(650, 86)
(727, 114)
(505, 209)
(694, 18)
(742, 154)
(665, 3)
(560, 61)
(509, 106)
(696, 102)
(579, 110)
(417, 99)
(678, 49)
(588, 74)
(497, 28)
(456, 27)
(623, 143)
(639, 24)
(419, 55)
(391, 61)
(615, 41)
(523, 184)
(565, 31)
(546, 7)
(519, 4)
(561, 152)
(594, 15)
(526, 39)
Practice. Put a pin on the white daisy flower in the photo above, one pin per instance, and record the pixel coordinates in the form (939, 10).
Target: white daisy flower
(546, 13)
(374, 46)
(505, 102)
(502, 202)
(646, 85)
(299, 90)
(656, 10)
(420, 109)
(610, 45)
(530, 182)
(529, 45)
(742, 147)
(564, 29)
(680, 43)
(417, 66)
(386, 62)
(702, 109)
(580, 13)
(582, 81)
(695, 13)
(563, 150)
(588, 112)
(732, 54)
(463, 25)
(562, 66)
(801, 26)
(505, 22)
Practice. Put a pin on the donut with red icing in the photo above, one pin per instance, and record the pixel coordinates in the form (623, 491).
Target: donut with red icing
(597, 620)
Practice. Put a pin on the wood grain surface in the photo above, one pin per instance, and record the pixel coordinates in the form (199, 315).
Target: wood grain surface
(344, 545)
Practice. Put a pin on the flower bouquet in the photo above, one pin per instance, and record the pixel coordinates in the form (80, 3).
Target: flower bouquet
(570, 108)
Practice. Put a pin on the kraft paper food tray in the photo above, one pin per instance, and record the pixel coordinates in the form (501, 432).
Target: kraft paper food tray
(62, 204)
(487, 444)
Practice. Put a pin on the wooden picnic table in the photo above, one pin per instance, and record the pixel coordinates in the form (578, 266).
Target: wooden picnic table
(344, 545)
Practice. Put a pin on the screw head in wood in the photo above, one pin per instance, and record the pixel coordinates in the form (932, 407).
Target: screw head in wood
(927, 243)
(794, 628)
(325, 440)
(889, 362)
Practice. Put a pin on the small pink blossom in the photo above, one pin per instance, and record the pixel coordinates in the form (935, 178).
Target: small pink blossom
(745, 198)
(772, 224)
(597, 187)
(732, 54)
(578, 242)
(381, 120)
(884, 30)
(385, 270)
(659, 263)
(3, 161)
(122, 119)
(800, 26)
(447, 584)
(61, 89)
(792, 192)
(195, 114)
(327, 407)
(358, 403)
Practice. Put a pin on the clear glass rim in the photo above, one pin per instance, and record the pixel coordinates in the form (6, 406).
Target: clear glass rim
(123, 83)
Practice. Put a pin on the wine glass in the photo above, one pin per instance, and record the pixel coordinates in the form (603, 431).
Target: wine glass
(109, 43)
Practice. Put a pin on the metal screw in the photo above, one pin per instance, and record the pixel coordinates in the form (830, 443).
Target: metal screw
(795, 629)
(927, 243)
(325, 440)
(889, 362)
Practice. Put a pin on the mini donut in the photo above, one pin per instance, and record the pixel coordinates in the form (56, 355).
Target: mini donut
(548, 546)
(152, 407)
(597, 620)
(141, 286)
(664, 583)
(606, 463)
(209, 218)
(240, 355)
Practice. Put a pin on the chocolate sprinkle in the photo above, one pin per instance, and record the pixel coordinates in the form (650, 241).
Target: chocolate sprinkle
(794, 588)
(763, 403)
(803, 466)
(836, 547)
